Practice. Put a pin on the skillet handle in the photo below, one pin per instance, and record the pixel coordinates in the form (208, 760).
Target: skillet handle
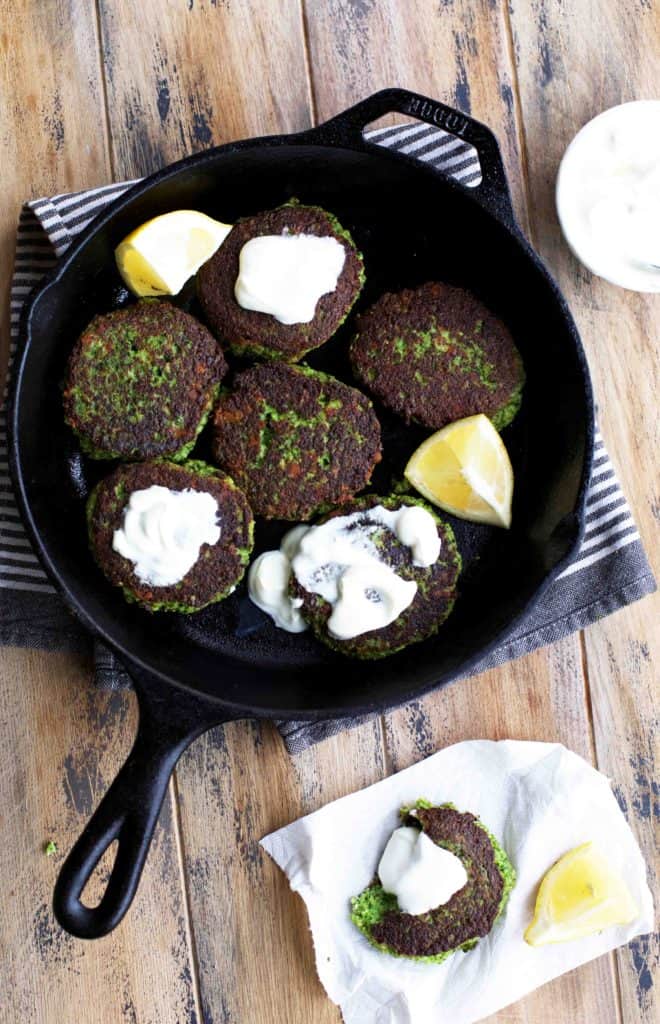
(129, 810)
(347, 128)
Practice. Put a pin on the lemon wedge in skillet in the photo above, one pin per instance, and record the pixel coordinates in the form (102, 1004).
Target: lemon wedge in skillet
(465, 469)
(579, 896)
(163, 253)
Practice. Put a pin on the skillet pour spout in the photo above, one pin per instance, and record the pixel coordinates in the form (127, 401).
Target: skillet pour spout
(413, 224)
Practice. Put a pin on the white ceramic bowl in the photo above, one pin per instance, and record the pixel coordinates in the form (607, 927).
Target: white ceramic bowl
(621, 142)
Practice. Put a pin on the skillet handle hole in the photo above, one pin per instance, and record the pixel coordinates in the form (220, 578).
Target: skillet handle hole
(452, 143)
(97, 882)
(437, 146)
(105, 864)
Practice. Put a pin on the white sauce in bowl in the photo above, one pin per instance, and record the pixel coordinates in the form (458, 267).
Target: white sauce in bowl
(608, 195)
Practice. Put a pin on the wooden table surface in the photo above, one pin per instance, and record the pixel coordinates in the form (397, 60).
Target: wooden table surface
(99, 92)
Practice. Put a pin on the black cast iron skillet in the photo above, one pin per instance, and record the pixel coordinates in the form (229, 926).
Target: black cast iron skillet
(228, 662)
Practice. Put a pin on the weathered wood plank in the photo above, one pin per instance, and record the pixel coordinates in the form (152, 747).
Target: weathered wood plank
(571, 65)
(253, 944)
(182, 77)
(187, 79)
(63, 741)
(457, 53)
(45, 115)
(622, 662)
(527, 700)
(462, 54)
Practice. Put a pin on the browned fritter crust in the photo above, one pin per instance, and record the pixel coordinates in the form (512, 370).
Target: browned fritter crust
(433, 602)
(219, 567)
(141, 382)
(296, 440)
(471, 912)
(436, 354)
(249, 333)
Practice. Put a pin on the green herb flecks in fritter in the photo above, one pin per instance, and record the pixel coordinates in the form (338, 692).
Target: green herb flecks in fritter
(470, 913)
(433, 602)
(142, 381)
(297, 441)
(436, 354)
(250, 333)
(219, 567)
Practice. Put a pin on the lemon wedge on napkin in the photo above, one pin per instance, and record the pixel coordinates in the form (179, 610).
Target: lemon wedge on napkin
(163, 253)
(579, 896)
(465, 469)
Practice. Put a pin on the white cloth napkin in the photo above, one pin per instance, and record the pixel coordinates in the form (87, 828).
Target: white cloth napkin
(539, 799)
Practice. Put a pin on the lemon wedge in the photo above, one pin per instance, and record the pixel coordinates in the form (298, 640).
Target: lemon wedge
(465, 469)
(579, 896)
(159, 256)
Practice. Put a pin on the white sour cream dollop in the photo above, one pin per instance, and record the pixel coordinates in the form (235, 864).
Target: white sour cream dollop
(268, 587)
(368, 597)
(415, 528)
(340, 562)
(286, 275)
(163, 532)
(421, 874)
(608, 195)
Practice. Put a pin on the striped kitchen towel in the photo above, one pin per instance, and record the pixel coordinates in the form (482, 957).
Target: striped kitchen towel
(610, 570)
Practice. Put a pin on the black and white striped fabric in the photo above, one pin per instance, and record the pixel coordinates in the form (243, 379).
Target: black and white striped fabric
(610, 570)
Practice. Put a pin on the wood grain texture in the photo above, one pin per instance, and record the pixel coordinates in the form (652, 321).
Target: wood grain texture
(254, 948)
(243, 67)
(63, 741)
(574, 61)
(185, 76)
(62, 744)
(45, 113)
(456, 52)
(462, 54)
(228, 942)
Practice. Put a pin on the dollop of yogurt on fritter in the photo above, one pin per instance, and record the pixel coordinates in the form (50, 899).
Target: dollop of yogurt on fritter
(163, 531)
(340, 561)
(421, 874)
(286, 275)
(268, 586)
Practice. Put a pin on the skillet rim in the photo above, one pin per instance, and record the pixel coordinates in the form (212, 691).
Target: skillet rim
(134, 664)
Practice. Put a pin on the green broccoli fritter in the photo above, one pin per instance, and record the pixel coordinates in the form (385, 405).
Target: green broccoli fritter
(436, 354)
(141, 382)
(219, 567)
(296, 440)
(436, 585)
(250, 333)
(470, 913)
